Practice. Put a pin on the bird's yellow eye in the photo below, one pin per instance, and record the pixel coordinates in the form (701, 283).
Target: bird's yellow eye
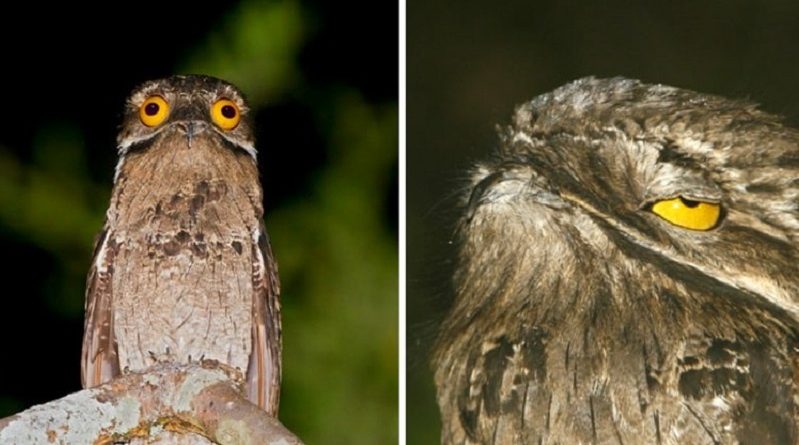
(225, 114)
(689, 214)
(154, 111)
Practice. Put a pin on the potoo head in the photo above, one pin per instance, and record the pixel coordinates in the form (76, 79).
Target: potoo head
(186, 106)
(619, 230)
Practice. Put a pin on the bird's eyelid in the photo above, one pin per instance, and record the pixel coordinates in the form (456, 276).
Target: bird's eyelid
(687, 185)
(647, 203)
(668, 180)
(240, 104)
(147, 91)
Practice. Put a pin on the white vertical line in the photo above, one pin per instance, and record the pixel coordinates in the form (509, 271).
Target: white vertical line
(402, 239)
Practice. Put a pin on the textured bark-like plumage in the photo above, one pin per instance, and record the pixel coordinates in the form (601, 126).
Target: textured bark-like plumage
(183, 270)
(581, 317)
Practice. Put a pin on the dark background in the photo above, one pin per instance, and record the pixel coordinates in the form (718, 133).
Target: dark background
(469, 63)
(323, 83)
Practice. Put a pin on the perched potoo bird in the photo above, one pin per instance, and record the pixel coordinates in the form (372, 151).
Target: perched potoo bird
(628, 273)
(183, 269)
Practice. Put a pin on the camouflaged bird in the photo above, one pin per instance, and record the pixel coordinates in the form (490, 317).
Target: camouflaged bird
(628, 273)
(183, 269)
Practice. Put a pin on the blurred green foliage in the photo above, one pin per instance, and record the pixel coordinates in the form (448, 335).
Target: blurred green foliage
(255, 48)
(340, 263)
(337, 256)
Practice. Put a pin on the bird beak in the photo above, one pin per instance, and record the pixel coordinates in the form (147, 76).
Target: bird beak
(189, 131)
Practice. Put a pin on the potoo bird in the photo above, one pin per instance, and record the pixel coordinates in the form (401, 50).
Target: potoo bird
(183, 269)
(628, 273)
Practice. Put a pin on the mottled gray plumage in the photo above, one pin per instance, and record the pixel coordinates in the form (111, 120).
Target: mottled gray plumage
(581, 317)
(183, 269)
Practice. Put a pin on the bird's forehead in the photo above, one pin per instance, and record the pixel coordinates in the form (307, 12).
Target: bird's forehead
(687, 126)
(596, 104)
(188, 89)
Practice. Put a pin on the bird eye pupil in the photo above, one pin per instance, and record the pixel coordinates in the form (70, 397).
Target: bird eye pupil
(229, 111)
(689, 203)
(151, 109)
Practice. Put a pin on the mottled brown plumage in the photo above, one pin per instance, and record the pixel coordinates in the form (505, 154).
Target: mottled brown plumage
(183, 269)
(581, 317)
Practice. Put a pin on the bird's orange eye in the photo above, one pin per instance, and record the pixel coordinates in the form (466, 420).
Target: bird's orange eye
(154, 111)
(225, 114)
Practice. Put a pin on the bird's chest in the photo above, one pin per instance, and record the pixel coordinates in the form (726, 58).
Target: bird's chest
(618, 384)
(182, 280)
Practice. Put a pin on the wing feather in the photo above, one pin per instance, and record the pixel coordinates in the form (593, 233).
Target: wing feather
(263, 373)
(99, 359)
